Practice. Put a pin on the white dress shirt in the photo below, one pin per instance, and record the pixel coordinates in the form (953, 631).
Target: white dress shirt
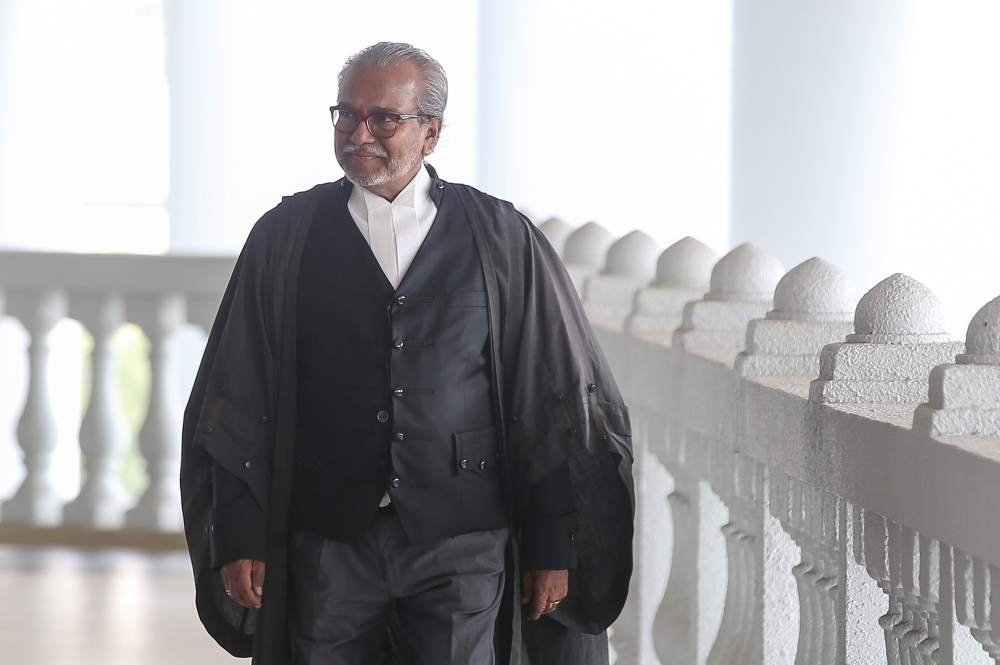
(395, 229)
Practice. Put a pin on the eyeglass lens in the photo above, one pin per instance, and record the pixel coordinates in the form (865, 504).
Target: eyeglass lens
(382, 126)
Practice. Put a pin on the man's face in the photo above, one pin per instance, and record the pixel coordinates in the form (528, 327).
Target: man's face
(385, 166)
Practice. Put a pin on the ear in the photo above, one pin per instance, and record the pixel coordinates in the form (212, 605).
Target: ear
(432, 131)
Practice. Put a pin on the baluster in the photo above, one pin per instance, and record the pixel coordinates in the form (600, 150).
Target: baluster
(739, 482)
(160, 438)
(633, 639)
(675, 627)
(975, 582)
(906, 566)
(36, 500)
(104, 433)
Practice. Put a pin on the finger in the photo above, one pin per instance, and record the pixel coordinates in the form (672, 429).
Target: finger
(241, 589)
(538, 605)
(257, 580)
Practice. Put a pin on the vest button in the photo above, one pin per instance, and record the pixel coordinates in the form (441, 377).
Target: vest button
(557, 397)
(248, 465)
(482, 465)
(263, 420)
(398, 392)
(397, 343)
(400, 300)
(398, 436)
(591, 387)
(464, 464)
(395, 482)
(208, 430)
(383, 417)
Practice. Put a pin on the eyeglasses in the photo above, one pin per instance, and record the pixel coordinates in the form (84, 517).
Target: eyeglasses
(381, 125)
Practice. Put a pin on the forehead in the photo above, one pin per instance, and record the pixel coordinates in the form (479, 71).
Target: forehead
(368, 88)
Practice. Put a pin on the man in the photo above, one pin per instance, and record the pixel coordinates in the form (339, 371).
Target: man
(402, 420)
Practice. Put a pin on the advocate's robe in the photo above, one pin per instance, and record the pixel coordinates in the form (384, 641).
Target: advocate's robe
(555, 400)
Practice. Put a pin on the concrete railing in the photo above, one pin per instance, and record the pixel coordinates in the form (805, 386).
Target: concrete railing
(161, 294)
(818, 479)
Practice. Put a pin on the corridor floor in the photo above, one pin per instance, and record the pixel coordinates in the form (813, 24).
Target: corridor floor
(63, 606)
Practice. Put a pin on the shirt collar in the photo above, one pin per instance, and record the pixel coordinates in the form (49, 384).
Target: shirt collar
(415, 195)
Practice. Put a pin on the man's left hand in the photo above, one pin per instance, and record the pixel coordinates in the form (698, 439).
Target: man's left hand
(543, 589)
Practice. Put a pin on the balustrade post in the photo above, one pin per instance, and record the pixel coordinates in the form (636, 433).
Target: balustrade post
(104, 433)
(159, 509)
(556, 231)
(630, 264)
(36, 500)
(683, 272)
(583, 253)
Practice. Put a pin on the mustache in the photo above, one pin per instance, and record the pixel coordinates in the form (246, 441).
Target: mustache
(354, 149)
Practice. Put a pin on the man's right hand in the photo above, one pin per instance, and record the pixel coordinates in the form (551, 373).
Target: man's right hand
(244, 580)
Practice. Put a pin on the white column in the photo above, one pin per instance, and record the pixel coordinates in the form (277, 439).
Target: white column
(8, 18)
(195, 58)
(36, 500)
(159, 508)
(104, 433)
(814, 87)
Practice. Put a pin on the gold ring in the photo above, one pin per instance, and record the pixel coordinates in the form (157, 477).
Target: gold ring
(553, 605)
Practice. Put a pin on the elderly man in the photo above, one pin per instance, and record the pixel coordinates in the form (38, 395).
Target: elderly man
(402, 421)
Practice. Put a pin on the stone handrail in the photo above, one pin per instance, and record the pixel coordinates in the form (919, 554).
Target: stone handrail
(161, 294)
(818, 479)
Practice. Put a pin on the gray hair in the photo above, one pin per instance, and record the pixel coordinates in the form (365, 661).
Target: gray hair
(432, 96)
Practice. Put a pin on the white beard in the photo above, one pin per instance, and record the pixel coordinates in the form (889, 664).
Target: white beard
(394, 169)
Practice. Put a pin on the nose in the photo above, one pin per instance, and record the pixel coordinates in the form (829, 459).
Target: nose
(362, 134)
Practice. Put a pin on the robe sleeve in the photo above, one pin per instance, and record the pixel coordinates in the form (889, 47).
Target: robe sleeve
(547, 535)
(238, 524)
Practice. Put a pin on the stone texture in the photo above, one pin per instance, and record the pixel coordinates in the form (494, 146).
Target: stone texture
(898, 338)
(556, 231)
(683, 274)
(964, 398)
(813, 306)
(629, 266)
(584, 252)
(742, 286)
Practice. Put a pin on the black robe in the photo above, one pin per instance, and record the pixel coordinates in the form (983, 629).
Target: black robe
(556, 401)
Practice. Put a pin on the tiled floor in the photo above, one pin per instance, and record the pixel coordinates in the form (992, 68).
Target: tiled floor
(62, 606)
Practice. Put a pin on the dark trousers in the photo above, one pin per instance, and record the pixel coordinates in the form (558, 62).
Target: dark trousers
(446, 595)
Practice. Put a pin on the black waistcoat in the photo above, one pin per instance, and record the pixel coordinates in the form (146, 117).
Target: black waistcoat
(394, 388)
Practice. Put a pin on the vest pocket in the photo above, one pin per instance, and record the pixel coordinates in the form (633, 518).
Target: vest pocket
(476, 451)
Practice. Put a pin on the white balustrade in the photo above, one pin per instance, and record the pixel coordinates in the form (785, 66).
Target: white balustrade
(37, 500)
(103, 292)
(159, 509)
(630, 264)
(104, 432)
(556, 231)
(816, 478)
(583, 252)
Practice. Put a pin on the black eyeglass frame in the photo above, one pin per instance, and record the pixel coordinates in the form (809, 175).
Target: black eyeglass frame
(362, 118)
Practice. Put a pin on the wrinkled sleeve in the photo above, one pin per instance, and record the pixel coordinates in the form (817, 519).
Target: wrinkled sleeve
(547, 535)
(238, 523)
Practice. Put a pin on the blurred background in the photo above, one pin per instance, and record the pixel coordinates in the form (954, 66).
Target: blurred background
(863, 132)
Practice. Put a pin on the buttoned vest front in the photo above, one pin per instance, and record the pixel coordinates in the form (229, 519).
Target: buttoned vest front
(394, 386)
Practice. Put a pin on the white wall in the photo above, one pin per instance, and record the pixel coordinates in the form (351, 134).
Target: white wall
(641, 91)
(866, 133)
